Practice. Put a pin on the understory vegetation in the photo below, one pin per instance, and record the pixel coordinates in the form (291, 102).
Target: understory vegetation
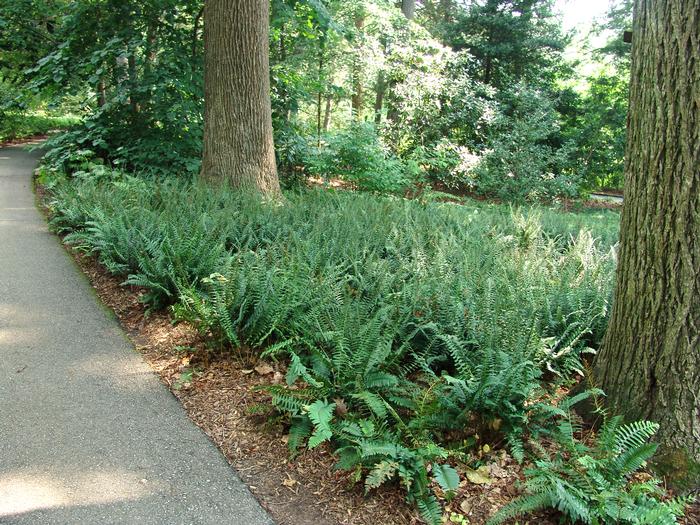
(468, 97)
(416, 334)
(419, 329)
(17, 126)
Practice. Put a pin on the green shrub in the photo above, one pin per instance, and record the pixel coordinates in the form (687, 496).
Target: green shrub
(522, 161)
(357, 156)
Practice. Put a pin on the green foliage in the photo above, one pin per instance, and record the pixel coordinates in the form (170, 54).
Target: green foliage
(15, 125)
(138, 72)
(591, 483)
(357, 156)
(447, 477)
(403, 324)
(522, 161)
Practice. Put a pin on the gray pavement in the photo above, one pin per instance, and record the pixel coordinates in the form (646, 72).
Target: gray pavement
(88, 434)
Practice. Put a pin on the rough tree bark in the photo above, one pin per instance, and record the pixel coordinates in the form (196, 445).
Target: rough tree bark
(649, 364)
(238, 144)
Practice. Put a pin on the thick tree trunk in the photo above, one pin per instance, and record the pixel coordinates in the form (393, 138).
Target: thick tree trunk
(408, 7)
(238, 144)
(649, 365)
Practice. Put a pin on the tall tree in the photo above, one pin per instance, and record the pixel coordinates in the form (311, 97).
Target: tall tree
(238, 143)
(357, 99)
(649, 364)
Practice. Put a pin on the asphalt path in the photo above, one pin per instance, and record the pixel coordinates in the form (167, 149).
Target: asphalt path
(88, 434)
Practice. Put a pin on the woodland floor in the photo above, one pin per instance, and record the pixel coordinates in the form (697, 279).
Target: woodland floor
(222, 394)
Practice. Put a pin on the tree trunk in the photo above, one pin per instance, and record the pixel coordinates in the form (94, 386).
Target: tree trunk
(408, 8)
(357, 90)
(649, 364)
(195, 36)
(238, 144)
(446, 6)
(319, 96)
(133, 84)
(379, 98)
(327, 116)
(101, 93)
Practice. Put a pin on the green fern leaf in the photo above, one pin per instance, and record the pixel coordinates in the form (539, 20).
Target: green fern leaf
(321, 414)
(430, 509)
(380, 474)
(446, 476)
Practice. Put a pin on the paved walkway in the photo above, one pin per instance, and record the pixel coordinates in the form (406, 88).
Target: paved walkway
(87, 432)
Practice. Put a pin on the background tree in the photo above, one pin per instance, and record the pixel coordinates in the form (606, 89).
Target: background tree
(649, 364)
(238, 143)
(597, 117)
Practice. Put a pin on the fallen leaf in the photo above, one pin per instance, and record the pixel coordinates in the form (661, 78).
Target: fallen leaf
(263, 369)
(479, 476)
(498, 471)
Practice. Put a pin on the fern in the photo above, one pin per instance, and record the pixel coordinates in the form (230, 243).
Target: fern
(380, 474)
(320, 414)
(446, 476)
(430, 509)
(414, 319)
(590, 484)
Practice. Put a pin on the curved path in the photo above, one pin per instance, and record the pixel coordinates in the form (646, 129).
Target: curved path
(88, 434)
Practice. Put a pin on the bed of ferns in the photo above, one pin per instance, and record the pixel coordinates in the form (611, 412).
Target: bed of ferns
(407, 328)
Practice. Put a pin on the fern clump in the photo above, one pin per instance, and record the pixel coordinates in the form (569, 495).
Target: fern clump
(594, 483)
(402, 323)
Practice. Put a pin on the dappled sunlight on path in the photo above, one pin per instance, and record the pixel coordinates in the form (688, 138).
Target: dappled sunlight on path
(22, 492)
(87, 432)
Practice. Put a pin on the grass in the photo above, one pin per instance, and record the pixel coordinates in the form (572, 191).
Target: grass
(17, 126)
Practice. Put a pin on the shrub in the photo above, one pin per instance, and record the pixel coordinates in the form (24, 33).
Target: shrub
(522, 160)
(356, 155)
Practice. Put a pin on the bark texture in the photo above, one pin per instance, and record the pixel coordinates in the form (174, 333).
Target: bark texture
(649, 365)
(238, 144)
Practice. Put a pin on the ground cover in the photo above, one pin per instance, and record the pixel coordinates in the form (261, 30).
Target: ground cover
(19, 126)
(425, 343)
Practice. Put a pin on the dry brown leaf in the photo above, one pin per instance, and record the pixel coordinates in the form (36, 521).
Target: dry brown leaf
(289, 482)
(264, 369)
